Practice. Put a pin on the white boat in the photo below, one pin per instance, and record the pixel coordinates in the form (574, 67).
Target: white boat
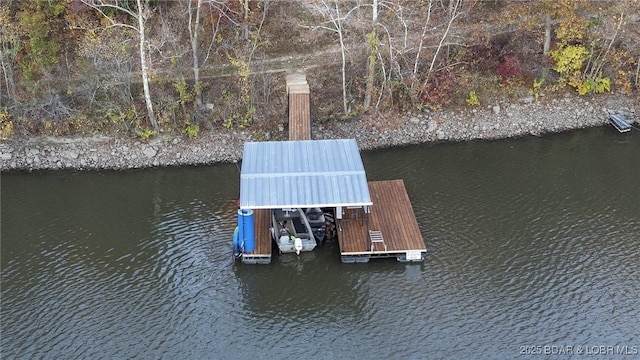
(291, 231)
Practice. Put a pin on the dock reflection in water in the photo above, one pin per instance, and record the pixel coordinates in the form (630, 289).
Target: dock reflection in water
(531, 242)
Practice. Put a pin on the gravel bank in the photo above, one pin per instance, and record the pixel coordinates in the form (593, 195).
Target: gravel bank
(500, 120)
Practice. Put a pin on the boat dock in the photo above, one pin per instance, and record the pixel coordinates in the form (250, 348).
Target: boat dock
(390, 230)
(375, 219)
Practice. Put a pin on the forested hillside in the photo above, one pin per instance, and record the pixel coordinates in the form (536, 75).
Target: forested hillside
(141, 67)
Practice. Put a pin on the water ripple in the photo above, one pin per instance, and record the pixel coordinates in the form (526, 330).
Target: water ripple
(529, 243)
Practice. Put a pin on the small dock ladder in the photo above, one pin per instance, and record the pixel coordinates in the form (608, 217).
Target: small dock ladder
(376, 238)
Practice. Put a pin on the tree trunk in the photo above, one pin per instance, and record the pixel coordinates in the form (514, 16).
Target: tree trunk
(453, 4)
(427, 22)
(547, 34)
(371, 68)
(143, 65)
(344, 70)
(637, 82)
(453, 14)
(245, 21)
(8, 81)
(371, 58)
(196, 58)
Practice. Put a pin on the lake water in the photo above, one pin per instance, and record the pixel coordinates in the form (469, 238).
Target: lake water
(533, 247)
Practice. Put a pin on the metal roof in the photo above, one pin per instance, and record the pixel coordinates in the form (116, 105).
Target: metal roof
(304, 173)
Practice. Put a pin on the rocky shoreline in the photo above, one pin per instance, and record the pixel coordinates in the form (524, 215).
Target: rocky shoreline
(523, 117)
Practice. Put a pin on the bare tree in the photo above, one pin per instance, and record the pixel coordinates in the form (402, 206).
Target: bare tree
(637, 77)
(8, 49)
(335, 24)
(595, 65)
(454, 13)
(141, 14)
(194, 16)
(107, 52)
(194, 32)
(547, 34)
(372, 42)
(245, 20)
(425, 27)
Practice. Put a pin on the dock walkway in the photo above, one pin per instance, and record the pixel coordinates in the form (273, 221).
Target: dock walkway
(299, 107)
(389, 230)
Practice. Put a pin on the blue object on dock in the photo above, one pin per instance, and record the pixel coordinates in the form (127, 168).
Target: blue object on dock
(619, 122)
(246, 241)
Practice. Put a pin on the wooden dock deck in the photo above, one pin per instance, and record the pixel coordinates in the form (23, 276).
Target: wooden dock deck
(389, 230)
(262, 252)
(299, 107)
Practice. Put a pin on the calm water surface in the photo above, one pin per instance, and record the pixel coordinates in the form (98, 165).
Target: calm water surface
(532, 242)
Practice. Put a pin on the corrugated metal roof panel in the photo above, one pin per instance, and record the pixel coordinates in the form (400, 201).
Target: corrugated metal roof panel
(305, 173)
